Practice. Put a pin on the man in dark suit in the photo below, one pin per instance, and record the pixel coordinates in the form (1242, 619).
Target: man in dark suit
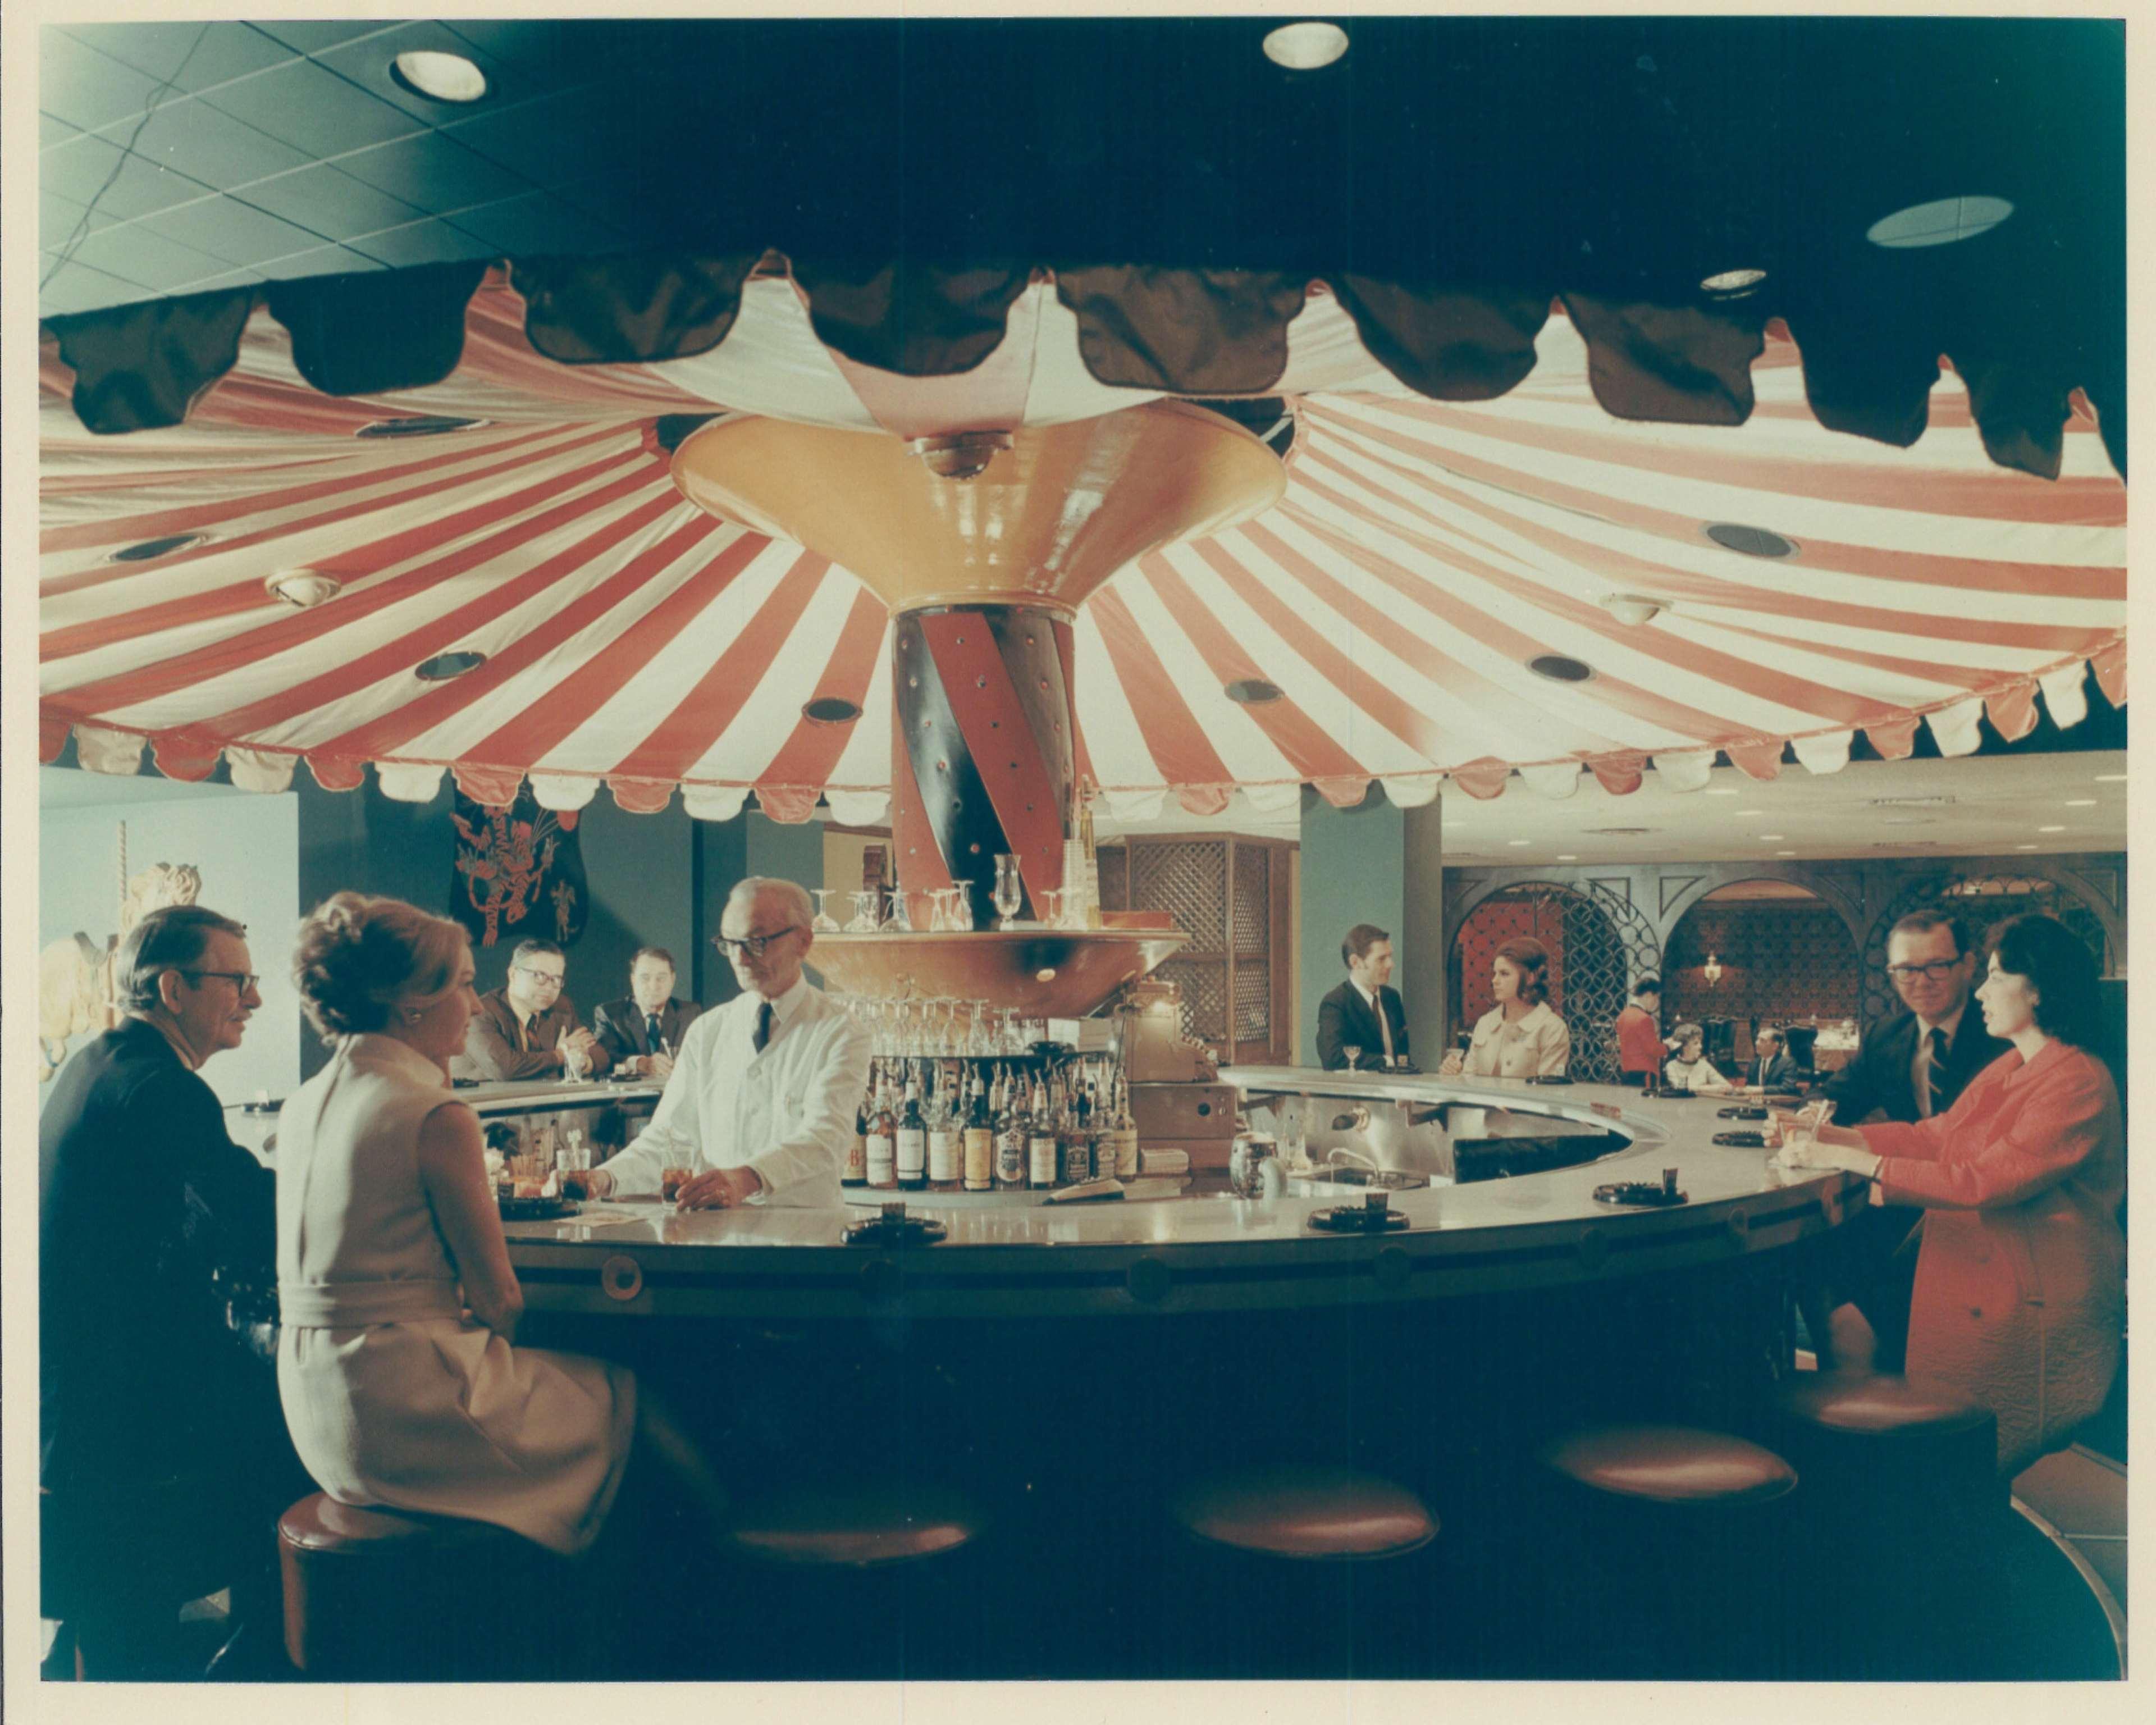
(643, 1033)
(163, 1452)
(528, 1028)
(1363, 1013)
(1770, 1067)
(1908, 1067)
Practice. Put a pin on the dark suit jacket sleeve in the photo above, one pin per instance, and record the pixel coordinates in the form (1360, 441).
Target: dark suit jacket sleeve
(1397, 1009)
(230, 1198)
(1869, 1081)
(618, 1034)
(1330, 1037)
(689, 1012)
(490, 1052)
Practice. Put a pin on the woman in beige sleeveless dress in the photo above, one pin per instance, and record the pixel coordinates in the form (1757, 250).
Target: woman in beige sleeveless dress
(397, 1366)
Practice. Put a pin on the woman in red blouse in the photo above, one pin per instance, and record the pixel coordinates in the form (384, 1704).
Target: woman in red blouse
(2020, 1300)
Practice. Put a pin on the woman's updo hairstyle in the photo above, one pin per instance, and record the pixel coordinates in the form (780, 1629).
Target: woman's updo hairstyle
(1530, 958)
(358, 956)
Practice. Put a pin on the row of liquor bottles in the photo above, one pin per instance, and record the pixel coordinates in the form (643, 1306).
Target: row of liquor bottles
(947, 1125)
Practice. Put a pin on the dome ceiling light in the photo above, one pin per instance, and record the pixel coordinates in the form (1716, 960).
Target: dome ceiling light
(960, 454)
(438, 77)
(1941, 222)
(303, 588)
(443, 667)
(1307, 47)
(1632, 607)
(1752, 542)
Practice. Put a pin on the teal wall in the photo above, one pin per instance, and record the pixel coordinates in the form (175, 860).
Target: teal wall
(1353, 871)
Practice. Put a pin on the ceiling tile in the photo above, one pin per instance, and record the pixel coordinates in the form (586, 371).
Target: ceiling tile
(535, 224)
(58, 218)
(323, 261)
(366, 63)
(232, 229)
(230, 279)
(76, 288)
(332, 204)
(134, 253)
(310, 108)
(192, 56)
(205, 144)
(51, 131)
(564, 136)
(429, 171)
(429, 242)
(80, 170)
(310, 36)
(86, 88)
(551, 49)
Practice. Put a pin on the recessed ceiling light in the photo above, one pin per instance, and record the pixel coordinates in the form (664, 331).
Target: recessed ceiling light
(1618, 832)
(2081, 803)
(2028, 847)
(416, 425)
(1785, 853)
(2110, 778)
(830, 709)
(1518, 841)
(1251, 691)
(1567, 856)
(1732, 284)
(1745, 815)
(2051, 829)
(1768, 838)
(1752, 542)
(1940, 222)
(150, 550)
(1306, 47)
(303, 588)
(438, 77)
(1558, 668)
(444, 665)
(1721, 790)
(1632, 607)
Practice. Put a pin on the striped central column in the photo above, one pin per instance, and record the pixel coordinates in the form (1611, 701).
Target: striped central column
(982, 754)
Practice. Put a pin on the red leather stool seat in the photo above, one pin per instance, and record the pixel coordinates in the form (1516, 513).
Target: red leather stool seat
(855, 1526)
(1307, 1513)
(1671, 1464)
(383, 1592)
(1878, 1406)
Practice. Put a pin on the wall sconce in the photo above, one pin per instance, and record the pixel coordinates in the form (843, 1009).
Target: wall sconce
(1712, 970)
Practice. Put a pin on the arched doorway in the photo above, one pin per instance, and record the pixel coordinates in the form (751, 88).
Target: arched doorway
(1598, 944)
(1760, 951)
(1985, 901)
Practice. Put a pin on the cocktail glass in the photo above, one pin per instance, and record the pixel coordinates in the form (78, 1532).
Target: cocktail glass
(824, 922)
(1354, 1055)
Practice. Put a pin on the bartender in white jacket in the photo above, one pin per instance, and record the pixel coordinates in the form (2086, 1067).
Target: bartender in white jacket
(761, 1103)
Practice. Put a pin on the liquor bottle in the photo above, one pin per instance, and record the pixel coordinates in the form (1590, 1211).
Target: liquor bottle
(1010, 1134)
(1043, 1161)
(944, 1126)
(1077, 1140)
(979, 1150)
(912, 1138)
(883, 1139)
(855, 1173)
(1124, 1133)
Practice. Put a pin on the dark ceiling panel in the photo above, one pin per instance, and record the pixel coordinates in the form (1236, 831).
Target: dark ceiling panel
(205, 144)
(232, 229)
(551, 49)
(324, 260)
(536, 224)
(333, 204)
(311, 109)
(561, 137)
(433, 173)
(193, 57)
(429, 242)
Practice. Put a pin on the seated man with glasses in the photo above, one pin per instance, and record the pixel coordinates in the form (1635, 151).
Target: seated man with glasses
(164, 1460)
(762, 1103)
(528, 1028)
(1908, 1067)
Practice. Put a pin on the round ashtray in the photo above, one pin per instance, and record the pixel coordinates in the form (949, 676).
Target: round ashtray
(1741, 1113)
(1742, 1140)
(1648, 1193)
(1357, 1219)
(537, 1209)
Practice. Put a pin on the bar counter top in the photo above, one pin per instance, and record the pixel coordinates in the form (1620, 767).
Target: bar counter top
(1202, 1251)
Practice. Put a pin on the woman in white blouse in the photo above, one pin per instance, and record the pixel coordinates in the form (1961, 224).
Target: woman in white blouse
(1519, 1037)
(1688, 1068)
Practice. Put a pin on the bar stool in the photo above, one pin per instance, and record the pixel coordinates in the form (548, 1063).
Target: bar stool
(381, 1593)
(1327, 1536)
(836, 1583)
(1662, 1556)
(1902, 1498)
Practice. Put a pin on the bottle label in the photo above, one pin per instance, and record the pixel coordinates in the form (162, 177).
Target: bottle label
(912, 1153)
(943, 1158)
(1077, 1162)
(1010, 1158)
(1126, 1154)
(883, 1168)
(856, 1169)
(1042, 1154)
(980, 1158)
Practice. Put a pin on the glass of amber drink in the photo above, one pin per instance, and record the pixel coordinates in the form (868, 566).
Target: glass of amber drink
(671, 1180)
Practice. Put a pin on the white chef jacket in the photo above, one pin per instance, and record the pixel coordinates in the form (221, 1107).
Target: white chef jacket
(788, 1112)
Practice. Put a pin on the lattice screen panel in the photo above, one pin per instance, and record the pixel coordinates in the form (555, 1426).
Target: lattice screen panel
(1115, 884)
(1204, 1003)
(1253, 907)
(1254, 1001)
(1189, 879)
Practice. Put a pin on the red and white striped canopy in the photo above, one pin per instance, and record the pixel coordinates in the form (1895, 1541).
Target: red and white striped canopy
(1425, 554)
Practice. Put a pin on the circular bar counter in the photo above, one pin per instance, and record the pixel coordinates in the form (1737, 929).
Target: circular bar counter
(1209, 1251)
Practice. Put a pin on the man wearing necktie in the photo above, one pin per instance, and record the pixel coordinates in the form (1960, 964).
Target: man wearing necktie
(528, 1027)
(761, 1103)
(1908, 1067)
(1771, 1067)
(1363, 1013)
(643, 1032)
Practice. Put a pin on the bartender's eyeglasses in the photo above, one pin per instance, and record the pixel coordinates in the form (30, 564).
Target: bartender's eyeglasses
(751, 944)
(1937, 968)
(242, 980)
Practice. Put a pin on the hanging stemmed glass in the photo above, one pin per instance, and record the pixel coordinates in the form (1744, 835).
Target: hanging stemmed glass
(898, 922)
(824, 922)
(864, 912)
